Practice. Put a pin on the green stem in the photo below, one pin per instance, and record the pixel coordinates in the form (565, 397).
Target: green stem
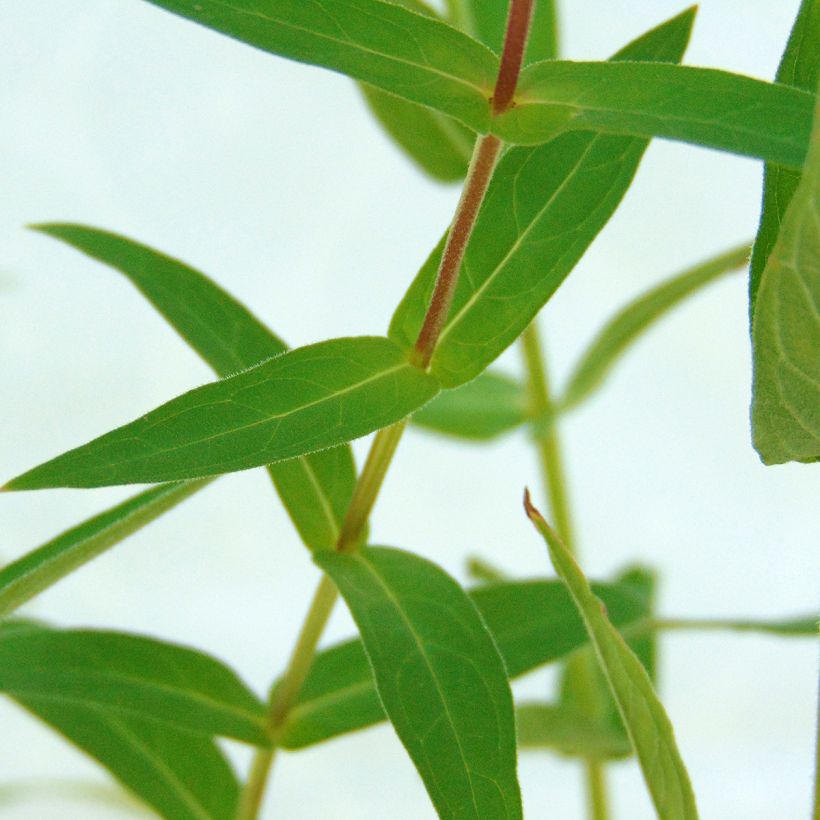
(545, 432)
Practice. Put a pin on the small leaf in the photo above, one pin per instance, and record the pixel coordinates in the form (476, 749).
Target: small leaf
(561, 729)
(702, 106)
(438, 144)
(28, 576)
(130, 676)
(643, 715)
(316, 489)
(304, 400)
(339, 695)
(439, 676)
(543, 208)
(482, 409)
(800, 68)
(618, 334)
(179, 774)
(404, 53)
(786, 330)
(799, 627)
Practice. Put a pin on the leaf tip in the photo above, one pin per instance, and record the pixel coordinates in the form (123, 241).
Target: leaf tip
(530, 509)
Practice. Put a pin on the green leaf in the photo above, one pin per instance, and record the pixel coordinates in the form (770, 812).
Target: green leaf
(544, 207)
(339, 695)
(702, 106)
(179, 774)
(624, 328)
(315, 489)
(304, 400)
(643, 714)
(786, 330)
(130, 676)
(28, 576)
(439, 676)
(438, 144)
(800, 627)
(800, 67)
(399, 51)
(562, 729)
(482, 409)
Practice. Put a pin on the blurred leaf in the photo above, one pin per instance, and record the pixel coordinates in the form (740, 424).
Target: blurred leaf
(130, 676)
(799, 627)
(483, 571)
(316, 488)
(643, 714)
(483, 409)
(180, 775)
(439, 676)
(28, 576)
(301, 401)
(339, 695)
(561, 729)
(786, 330)
(404, 53)
(544, 207)
(800, 68)
(702, 106)
(627, 325)
(438, 144)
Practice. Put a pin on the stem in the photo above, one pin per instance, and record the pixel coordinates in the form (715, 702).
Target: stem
(479, 173)
(581, 673)
(515, 43)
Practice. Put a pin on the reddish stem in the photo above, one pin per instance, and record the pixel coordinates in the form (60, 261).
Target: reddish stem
(515, 43)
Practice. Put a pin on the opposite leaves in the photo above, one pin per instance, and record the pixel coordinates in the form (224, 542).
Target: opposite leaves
(439, 676)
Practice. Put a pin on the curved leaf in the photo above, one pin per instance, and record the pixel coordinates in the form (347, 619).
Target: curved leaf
(800, 67)
(543, 208)
(643, 714)
(404, 53)
(339, 694)
(610, 344)
(702, 106)
(304, 400)
(39, 569)
(481, 410)
(130, 676)
(439, 676)
(786, 330)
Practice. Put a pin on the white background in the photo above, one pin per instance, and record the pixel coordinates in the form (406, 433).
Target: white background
(272, 177)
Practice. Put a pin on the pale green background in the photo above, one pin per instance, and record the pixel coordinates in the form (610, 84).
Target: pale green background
(272, 177)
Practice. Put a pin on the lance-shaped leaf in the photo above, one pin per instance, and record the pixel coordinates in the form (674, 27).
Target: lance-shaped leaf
(805, 626)
(624, 328)
(532, 623)
(562, 729)
(315, 489)
(643, 714)
(544, 207)
(702, 106)
(178, 774)
(800, 67)
(439, 676)
(26, 577)
(301, 401)
(131, 676)
(786, 330)
(483, 409)
(404, 53)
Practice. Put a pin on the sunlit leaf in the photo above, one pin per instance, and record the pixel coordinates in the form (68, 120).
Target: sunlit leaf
(411, 55)
(339, 695)
(627, 325)
(482, 409)
(643, 714)
(786, 330)
(544, 207)
(130, 676)
(316, 488)
(301, 401)
(800, 67)
(702, 106)
(439, 677)
(29, 575)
